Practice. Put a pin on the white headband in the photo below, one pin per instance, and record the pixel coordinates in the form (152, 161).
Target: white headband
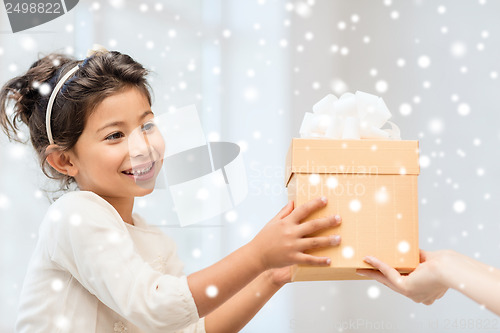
(96, 48)
(52, 98)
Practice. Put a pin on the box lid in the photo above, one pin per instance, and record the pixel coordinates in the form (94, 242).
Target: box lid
(395, 157)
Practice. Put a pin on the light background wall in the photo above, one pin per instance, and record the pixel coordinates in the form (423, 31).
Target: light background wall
(253, 68)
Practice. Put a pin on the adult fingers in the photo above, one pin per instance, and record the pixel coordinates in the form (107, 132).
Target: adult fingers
(377, 276)
(393, 275)
(311, 226)
(423, 256)
(304, 210)
(318, 242)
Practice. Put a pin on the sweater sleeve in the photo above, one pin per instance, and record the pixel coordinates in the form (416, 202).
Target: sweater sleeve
(90, 241)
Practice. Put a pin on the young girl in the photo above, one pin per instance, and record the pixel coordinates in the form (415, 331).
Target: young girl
(97, 266)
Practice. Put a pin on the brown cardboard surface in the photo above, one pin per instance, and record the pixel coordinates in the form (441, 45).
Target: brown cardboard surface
(372, 184)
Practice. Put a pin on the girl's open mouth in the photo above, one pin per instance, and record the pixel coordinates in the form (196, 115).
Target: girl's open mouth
(141, 172)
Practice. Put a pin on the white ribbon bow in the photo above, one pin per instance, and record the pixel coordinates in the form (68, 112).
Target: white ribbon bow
(352, 116)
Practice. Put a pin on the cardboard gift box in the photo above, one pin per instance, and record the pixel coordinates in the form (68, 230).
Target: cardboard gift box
(372, 185)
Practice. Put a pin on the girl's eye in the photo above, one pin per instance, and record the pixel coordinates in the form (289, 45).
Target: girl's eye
(115, 136)
(148, 127)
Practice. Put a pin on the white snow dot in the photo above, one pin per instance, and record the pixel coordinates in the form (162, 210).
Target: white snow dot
(212, 291)
(309, 36)
(347, 252)
(476, 142)
(355, 205)
(480, 172)
(251, 94)
(436, 126)
(213, 136)
(28, 43)
(373, 292)
(459, 206)
(341, 25)
(202, 194)
(344, 51)
(172, 33)
(381, 86)
(424, 161)
(57, 285)
(216, 70)
(334, 48)
(302, 9)
(314, 179)
(44, 89)
(55, 215)
(444, 30)
(373, 72)
(403, 247)
(458, 49)
(424, 61)
(231, 216)
(485, 34)
(405, 109)
(332, 182)
(463, 109)
(62, 323)
(494, 75)
(441, 10)
(394, 14)
(354, 18)
(4, 201)
(143, 8)
(480, 46)
(381, 196)
(226, 33)
(366, 39)
(401, 62)
(338, 86)
(75, 219)
(316, 85)
(196, 253)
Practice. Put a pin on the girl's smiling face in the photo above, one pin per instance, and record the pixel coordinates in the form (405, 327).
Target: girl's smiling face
(120, 151)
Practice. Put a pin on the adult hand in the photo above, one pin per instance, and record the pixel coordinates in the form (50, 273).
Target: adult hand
(424, 285)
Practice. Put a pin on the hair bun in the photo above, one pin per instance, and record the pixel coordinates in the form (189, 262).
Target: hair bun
(29, 92)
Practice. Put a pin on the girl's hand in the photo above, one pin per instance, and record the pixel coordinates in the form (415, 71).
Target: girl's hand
(424, 285)
(280, 276)
(283, 240)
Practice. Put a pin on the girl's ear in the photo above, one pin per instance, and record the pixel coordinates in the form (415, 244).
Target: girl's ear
(61, 161)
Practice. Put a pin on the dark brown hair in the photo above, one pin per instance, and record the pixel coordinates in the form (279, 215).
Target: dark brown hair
(99, 76)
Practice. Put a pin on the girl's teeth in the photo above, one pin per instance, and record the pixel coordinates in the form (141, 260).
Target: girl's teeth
(139, 172)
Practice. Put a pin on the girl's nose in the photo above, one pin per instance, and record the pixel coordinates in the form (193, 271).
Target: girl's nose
(138, 144)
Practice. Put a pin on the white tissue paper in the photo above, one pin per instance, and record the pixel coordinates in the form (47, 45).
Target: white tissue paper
(352, 116)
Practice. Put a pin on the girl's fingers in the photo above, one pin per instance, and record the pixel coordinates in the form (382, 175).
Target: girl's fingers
(318, 242)
(311, 226)
(285, 211)
(307, 259)
(300, 213)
